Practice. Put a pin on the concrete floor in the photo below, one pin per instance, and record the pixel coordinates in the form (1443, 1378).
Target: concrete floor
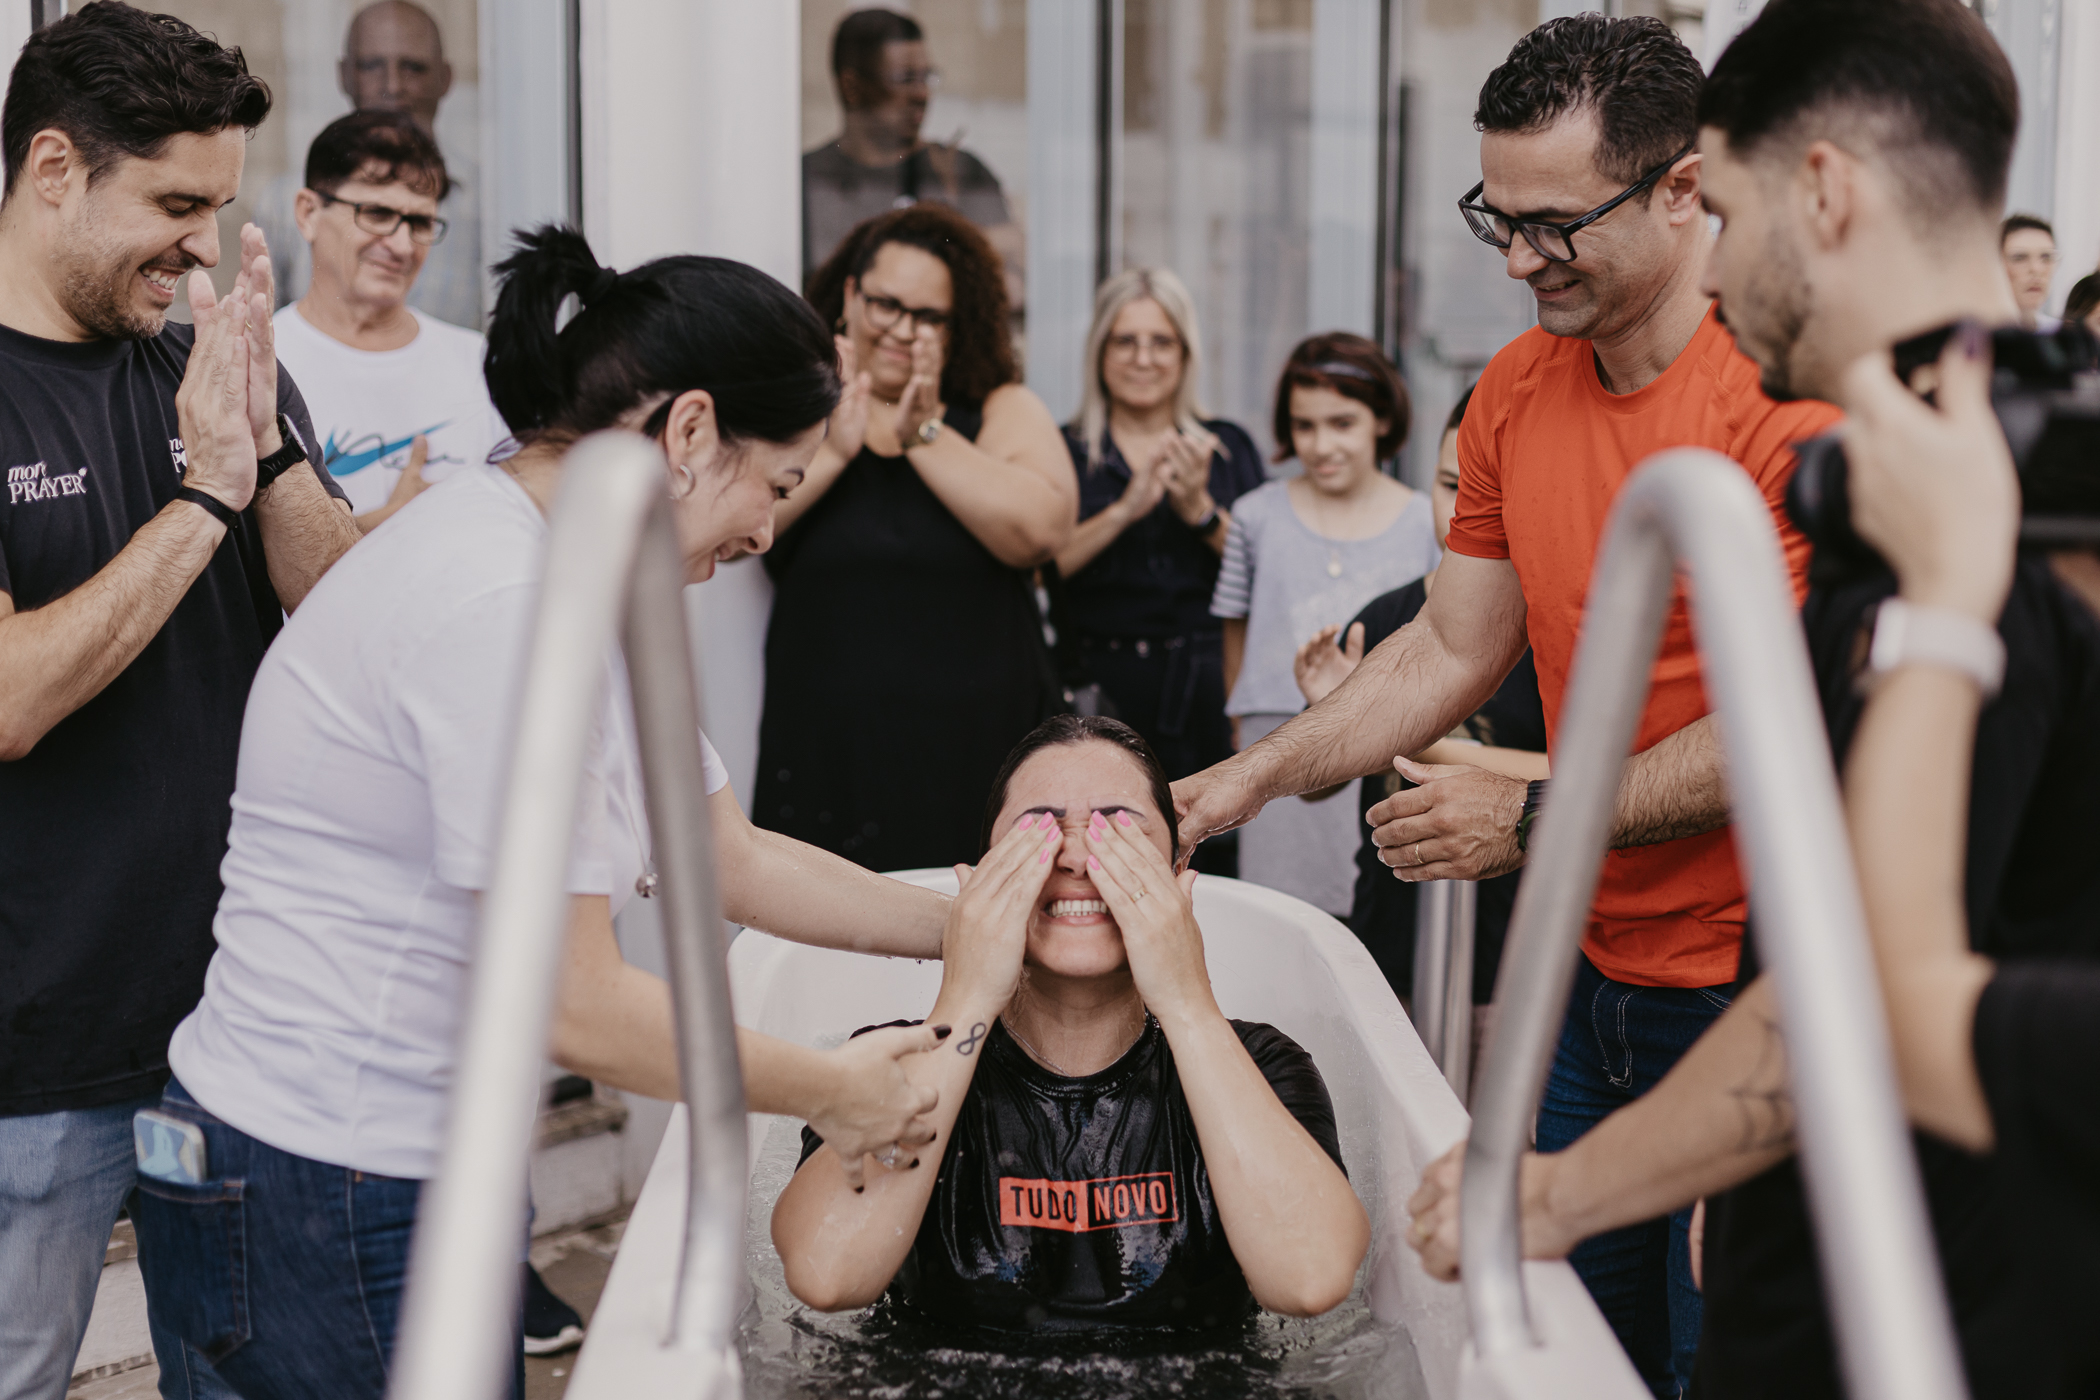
(574, 1264)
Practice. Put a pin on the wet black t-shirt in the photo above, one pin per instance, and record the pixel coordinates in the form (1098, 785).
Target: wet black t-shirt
(2033, 890)
(112, 828)
(1084, 1203)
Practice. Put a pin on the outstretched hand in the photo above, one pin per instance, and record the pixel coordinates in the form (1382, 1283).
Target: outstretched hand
(1154, 909)
(873, 1105)
(987, 931)
(1320, 665)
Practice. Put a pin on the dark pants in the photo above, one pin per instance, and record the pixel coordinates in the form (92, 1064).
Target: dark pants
(1172, 691)
(285, 1273)
(1618, 1042)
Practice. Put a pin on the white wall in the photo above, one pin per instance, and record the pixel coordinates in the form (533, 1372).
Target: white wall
(2077, 148)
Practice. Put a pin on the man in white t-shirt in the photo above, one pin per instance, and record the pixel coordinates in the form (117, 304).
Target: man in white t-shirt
(397, 396)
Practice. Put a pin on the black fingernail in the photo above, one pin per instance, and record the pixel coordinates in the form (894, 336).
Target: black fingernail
(858, 1189)
(943, 1032)
(915, 1161)
(1973, 339)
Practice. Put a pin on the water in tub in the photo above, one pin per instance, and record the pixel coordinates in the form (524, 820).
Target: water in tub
(791, 1351)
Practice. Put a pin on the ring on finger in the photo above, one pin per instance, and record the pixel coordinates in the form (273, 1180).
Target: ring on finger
(1418, 853)
(1138, 896)
(889, 1156)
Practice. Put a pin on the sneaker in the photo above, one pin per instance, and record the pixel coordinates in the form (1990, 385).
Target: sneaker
(550, 1324)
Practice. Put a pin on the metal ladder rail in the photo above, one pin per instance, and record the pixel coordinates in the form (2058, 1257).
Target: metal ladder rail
(611, 557)
(1879, 1268)
(1445, 912)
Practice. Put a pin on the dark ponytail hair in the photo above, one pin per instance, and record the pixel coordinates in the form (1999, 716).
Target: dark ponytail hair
(1060, 730)
(665, 327)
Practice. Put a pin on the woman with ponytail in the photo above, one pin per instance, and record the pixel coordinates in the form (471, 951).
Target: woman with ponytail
(364, 816)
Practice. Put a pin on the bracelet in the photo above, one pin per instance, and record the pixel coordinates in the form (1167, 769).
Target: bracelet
(1534, 798)
(218, 510)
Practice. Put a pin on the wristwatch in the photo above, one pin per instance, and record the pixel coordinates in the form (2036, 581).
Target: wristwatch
(1906, 634)
(1534, 798)
(289, 455)
(928, 431)
(1209, 521)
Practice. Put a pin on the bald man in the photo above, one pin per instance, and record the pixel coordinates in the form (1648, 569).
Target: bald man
(394, 60)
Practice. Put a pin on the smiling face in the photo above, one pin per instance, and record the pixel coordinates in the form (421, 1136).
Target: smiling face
(1622, 262)
(1335, 437)
(729, 510)
(911, 277)
(1142, 360)
(128, 237)
(357, 267)
(1073, 934)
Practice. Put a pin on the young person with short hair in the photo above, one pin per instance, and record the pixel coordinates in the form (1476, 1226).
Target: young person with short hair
(396, 395)
(1591, 189)
(160, 515)
(2028, 246)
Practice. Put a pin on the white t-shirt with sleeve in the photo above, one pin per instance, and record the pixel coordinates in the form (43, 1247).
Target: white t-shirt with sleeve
(369, 406)
(373, 758)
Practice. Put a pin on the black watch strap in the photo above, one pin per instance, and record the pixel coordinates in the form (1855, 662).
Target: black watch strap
(225, 514)
(1534, 798)
(287, 456)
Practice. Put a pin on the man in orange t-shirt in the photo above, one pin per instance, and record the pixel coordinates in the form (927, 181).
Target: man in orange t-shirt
(1591, 187)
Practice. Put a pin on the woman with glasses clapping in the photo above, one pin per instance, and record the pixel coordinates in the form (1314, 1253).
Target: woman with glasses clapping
(1156, 479)
(905, 655)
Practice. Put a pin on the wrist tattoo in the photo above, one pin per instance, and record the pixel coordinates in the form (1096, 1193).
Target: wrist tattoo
(969, 1043)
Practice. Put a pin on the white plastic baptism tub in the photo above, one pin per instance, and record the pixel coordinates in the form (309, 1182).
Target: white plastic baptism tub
(1272, 958)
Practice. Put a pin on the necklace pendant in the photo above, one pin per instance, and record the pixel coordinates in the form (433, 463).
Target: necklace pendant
(1334, 564)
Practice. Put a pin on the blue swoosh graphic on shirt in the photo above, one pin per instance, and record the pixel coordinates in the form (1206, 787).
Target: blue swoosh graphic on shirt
(341, 462)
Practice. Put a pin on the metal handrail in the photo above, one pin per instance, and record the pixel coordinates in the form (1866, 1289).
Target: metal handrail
(1880, 1274)
(611, 553)
(1445, 911)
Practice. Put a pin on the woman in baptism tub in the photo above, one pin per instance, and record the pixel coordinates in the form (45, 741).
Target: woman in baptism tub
(1116, 1152)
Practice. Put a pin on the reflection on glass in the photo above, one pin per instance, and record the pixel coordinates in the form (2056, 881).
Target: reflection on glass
(887, 72)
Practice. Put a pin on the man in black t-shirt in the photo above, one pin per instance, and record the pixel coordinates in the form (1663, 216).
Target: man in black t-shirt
(159, 517)
(1859, 208)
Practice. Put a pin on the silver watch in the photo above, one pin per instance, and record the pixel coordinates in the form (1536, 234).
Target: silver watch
(1905, 633)
(929, 431)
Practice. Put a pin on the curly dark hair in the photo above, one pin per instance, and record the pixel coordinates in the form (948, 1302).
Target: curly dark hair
(980, 340)
(1356, 369)
(1636, 74)
(121, 82)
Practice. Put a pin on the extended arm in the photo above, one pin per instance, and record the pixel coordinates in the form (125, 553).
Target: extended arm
(304, 530)
(796, 891)
(1722, 1115)
(1013, 488)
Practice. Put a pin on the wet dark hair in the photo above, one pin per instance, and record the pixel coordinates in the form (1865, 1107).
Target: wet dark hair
(120, 82)
(1356, 369)
(2083, 297)
(1060, 730)
(379, 147)
(856, 45)
(661, 329)
(2015, 222)
(1936, 88)
(1458, 410)
(980, 354)
(1636, 74)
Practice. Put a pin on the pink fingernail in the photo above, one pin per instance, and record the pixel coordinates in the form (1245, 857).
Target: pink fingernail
(1044, 858)
(1123, 818)
(1092, 864)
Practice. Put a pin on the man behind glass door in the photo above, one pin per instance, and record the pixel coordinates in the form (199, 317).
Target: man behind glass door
(1591, 187)
(394, 61)
(878, 162)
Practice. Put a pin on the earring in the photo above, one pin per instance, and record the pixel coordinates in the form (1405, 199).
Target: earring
(685, 481)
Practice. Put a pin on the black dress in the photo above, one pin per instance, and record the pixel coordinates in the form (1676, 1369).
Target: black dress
(902, 664)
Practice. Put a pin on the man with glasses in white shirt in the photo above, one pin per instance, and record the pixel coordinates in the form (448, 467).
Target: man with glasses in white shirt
(398, 399)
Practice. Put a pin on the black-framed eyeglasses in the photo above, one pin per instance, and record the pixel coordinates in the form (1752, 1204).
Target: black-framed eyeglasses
(885, 312)
(423, 229)
(1551, 241)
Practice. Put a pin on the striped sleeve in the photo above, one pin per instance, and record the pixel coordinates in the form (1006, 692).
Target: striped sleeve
(1235, 590)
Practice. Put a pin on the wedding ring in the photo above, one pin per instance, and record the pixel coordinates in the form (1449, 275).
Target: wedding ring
(889, 1156)
(1418, 853)
(1138, 896)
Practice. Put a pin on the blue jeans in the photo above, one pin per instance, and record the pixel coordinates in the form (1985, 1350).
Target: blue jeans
(63, 1178)
(285, 1273)
(1618, 1041)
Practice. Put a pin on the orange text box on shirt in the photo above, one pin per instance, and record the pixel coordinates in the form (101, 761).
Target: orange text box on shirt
(1106, 1203)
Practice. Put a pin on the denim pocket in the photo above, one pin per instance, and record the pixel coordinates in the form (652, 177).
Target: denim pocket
(193, 1254)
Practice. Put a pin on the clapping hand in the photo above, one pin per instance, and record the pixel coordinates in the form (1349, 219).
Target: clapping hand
(921, 398)
(211, 404)
(1320, 665)
(1185, 461)
(1147, 488)
(262, 339)
(848, 428)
